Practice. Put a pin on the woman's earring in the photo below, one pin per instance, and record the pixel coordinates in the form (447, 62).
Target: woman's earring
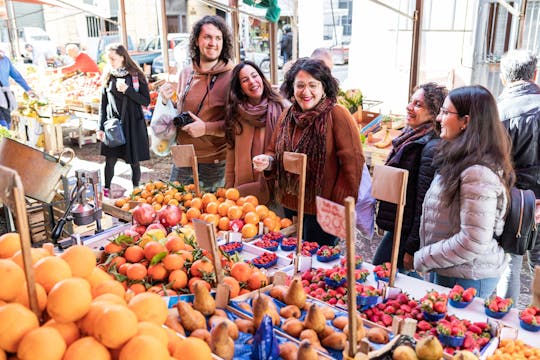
(462, 128)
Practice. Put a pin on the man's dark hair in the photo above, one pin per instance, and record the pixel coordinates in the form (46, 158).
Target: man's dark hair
(226, 51)
(518, 65)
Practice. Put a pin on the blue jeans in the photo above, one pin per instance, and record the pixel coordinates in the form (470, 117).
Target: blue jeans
(312, 231)
(211, 176)
(510, 284)
(484, 287)
(384, 254)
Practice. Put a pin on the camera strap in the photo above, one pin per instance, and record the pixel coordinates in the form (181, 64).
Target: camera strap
(208, 88)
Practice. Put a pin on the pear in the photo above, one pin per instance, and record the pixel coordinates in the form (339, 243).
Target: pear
(191, 319)
(335, 341)
(306, 351)
(263, 305)
(203, 301)
(429, 348)
(464, 355)
(220, 342)
(404, 352)
(315, 319)
(288, 351)
(295, 294)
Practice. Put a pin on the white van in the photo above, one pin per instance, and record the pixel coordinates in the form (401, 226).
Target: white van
(37, 37)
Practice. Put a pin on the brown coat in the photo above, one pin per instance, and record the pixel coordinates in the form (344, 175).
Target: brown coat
(343, 163)
(210, 147)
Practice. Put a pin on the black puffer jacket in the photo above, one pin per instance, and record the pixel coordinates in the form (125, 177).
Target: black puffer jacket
(417, 158)
(519, 109)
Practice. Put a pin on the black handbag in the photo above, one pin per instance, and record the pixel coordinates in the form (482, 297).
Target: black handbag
(519, 234)
(114, 133)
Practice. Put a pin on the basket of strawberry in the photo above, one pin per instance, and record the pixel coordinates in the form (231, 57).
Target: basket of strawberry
(288, 244)
(367, 295)
(434, 306)
(358, 260)
(382, 272)
(273, 236)
(269, 245)
(459, 297)
(497, 307)
(265, 260)
(529, 318)
(328, 253)
(361, 275)
(310, 246)
(232, 247)
(451, 332)
(335, 277)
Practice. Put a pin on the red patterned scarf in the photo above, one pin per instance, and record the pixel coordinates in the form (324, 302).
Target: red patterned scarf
(408, 136)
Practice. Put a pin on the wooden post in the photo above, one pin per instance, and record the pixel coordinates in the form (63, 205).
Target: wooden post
(206, 238)
(184, 156)
(296, 163)
(350, 220)
(536, 286)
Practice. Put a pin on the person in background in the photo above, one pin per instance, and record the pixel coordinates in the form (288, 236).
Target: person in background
(202, 91)
(465, 207)
(36, 55)
(7, 100)
(286, 43)
(253, 110)
(519, 110)
(124, 92)
(82, 61)
(324, 55)
(323, 130)
(413, 150)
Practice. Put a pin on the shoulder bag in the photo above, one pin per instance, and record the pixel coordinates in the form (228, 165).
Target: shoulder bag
(114, 134)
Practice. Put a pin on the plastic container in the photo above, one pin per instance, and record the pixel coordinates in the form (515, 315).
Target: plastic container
(333, 283)
(529, 327)
(449, 340)
(267, 265)
(325, 259)
(433, 317)
(237, 249)
(274, 246)
(288, 247)
(386, 279)
(459, 304)
(495, 314)
(368, 301)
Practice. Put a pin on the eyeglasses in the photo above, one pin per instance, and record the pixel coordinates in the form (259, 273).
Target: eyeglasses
(445, 112)
(312, 86)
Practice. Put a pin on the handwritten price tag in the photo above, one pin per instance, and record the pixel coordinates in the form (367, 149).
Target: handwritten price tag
(331, 217)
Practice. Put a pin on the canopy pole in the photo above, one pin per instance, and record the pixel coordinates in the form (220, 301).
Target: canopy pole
(415, 47)
(164, 32)
(122, 18)
(235, 24)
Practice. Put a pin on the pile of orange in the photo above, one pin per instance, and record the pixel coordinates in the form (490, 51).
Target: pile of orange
(510, 349)
(158, 194)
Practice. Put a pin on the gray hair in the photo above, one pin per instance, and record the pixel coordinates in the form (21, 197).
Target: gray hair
(518, 65)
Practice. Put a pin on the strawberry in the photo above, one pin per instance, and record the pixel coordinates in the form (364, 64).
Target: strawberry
(386, 319)
(493, 307)
(423, 325)
(467, 296)
(439, 307)
(528, 319)
(475, 329)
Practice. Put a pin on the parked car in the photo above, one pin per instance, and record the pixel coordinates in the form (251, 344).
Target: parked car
(34, 36)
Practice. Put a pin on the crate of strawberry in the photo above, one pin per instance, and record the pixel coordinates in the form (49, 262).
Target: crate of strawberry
(289, 244)
(367, 295)
(273, 236)
(461, 298)
(265, 260)
(497, 307)
(270, 245)
(232, 247)
(434, 305)
(529, 318)
(402, 306)
(335, 277)
(382, 272)
(451, 332)
(310, 247)
(328, 253)
(358, 260)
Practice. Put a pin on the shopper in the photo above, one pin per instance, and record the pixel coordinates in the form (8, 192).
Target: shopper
(316, 126)
(519, 109)
(202, 91)
(125, 91)
(253, 110)
(324, 55)
(413, 150)
(465, 206)
(82, 61)
(286, 43)
(7, 100)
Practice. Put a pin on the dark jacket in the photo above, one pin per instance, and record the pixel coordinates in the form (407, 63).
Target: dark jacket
(136, 148)
(417, 158)
(519, 109)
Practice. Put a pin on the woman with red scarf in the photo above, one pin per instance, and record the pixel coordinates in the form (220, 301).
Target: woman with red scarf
(252, 112)
(323, 130)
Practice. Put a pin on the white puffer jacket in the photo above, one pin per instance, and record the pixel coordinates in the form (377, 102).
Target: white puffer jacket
(457, 240)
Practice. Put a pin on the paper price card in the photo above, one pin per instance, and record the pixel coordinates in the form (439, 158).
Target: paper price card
(331, 217)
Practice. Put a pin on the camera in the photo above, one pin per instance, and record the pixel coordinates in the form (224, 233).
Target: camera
(182, 119)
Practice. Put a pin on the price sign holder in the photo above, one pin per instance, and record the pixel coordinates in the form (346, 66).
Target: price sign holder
(296, 163)
(184, 156)
(206, 238)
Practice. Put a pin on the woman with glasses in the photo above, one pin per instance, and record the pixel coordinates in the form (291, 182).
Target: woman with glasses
(326, 132)
(252, 112)
(465, 206)
(413, 151)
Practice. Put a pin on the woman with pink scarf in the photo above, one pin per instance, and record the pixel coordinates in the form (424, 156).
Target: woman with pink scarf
(252, 112)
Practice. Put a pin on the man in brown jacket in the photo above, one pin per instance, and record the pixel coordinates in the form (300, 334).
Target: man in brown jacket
(202, 89)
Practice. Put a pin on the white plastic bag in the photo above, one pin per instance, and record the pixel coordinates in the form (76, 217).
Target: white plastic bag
(163, 131)
(365, 206)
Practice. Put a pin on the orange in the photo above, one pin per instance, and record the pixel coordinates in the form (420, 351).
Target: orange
(234, 212)
(223, 223)
(192, 348)
(178, 279)
(220, 192)
(149, 307)
(248, 207)
(173, 262)
(193, 213)
(136, 271)
(257, 280)
(50, 270)
(269, 223)
(69, 300)
(194, 280)
(36, 254)
(201, 267)
(116, 262)
(251, 218)
(115, 325)
(212, 219)
(208, 198)
(249, 231)
(234, 286)
(15, 321)
(134, 253)
(157, 272)
(241, 201)
(110, 298)
(241, 271)
(69, 331)
(86, 348)
(86, 324)
(112, 248)
(187, 255)
(252, 199)
(97, 276)
(81, 260)
(153, 330)
(44, 343)
(262, 211)
(196, 203)
(232, 194)
(223, 208)
(136, 288)
(212, 207)
(152, 249)
(174, 242)
(284, 222)
(10, 243)
(22, 296)
(174, 340)
(144, 347)
(12, 276)
(109, 287)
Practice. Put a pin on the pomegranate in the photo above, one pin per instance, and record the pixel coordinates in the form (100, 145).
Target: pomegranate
(170, 215)
(140, 229)
(134, 234)
(144, 214)
(157, 225)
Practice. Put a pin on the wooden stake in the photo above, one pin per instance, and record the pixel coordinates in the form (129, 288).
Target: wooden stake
(184, 156)
(206, 238)
(296, 163)
(350, 220)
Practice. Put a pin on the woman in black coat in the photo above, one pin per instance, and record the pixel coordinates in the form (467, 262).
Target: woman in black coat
(413, 150)
(125, 91)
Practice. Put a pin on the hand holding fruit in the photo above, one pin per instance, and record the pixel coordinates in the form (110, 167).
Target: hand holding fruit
(166, 91)
(262, 162)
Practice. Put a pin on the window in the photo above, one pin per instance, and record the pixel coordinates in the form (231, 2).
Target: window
(93, 26)
(497, 32)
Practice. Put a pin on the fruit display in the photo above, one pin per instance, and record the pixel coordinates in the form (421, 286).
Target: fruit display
(434, 305)
(459, 297)
(265, 260)
(382, 272)
(529, 318)
(514, 349)
(328, 253)
(497, 307)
